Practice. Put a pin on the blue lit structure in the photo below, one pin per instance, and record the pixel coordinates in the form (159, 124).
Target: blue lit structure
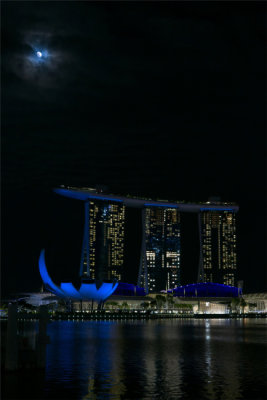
(206, 290)
(89, 290)
(89, 194)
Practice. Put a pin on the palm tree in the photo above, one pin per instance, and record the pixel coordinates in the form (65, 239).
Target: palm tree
(113, 304)
(242, 304)
(234, 303)
(153, 303)
(125, 305)
(183, 307)
(170, 301)
(145, 305)
(160, 300)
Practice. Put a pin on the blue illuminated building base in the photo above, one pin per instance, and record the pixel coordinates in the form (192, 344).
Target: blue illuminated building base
(207, 289)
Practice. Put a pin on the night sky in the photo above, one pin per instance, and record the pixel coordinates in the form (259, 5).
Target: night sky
(161, 99)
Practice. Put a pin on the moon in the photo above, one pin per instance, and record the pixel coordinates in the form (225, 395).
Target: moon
(39, 54)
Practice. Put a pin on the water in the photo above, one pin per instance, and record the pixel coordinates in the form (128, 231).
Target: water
(168, 359)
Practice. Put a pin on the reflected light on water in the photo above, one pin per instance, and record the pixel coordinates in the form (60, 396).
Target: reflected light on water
(167, 359)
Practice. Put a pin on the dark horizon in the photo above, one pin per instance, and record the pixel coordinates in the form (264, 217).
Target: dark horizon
(153, 99)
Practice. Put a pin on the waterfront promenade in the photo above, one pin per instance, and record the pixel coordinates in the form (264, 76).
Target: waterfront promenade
(133, 315)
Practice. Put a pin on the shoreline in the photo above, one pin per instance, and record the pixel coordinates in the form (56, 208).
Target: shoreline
(126, 315)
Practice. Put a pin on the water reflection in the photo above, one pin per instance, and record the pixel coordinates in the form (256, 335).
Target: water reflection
(117, 360)
(169, 359)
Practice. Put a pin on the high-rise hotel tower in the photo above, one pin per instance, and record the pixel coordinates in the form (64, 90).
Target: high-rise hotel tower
(159, 268)
(160, 264)
(103, 247)
(217, 232)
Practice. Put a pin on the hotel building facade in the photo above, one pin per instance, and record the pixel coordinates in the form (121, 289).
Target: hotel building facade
(217, 247)
(162, 251)
(103, 247)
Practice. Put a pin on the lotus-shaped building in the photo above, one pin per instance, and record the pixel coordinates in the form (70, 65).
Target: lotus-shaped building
(89, 289)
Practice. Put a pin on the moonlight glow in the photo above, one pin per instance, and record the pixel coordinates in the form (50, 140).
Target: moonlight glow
(39, 54)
